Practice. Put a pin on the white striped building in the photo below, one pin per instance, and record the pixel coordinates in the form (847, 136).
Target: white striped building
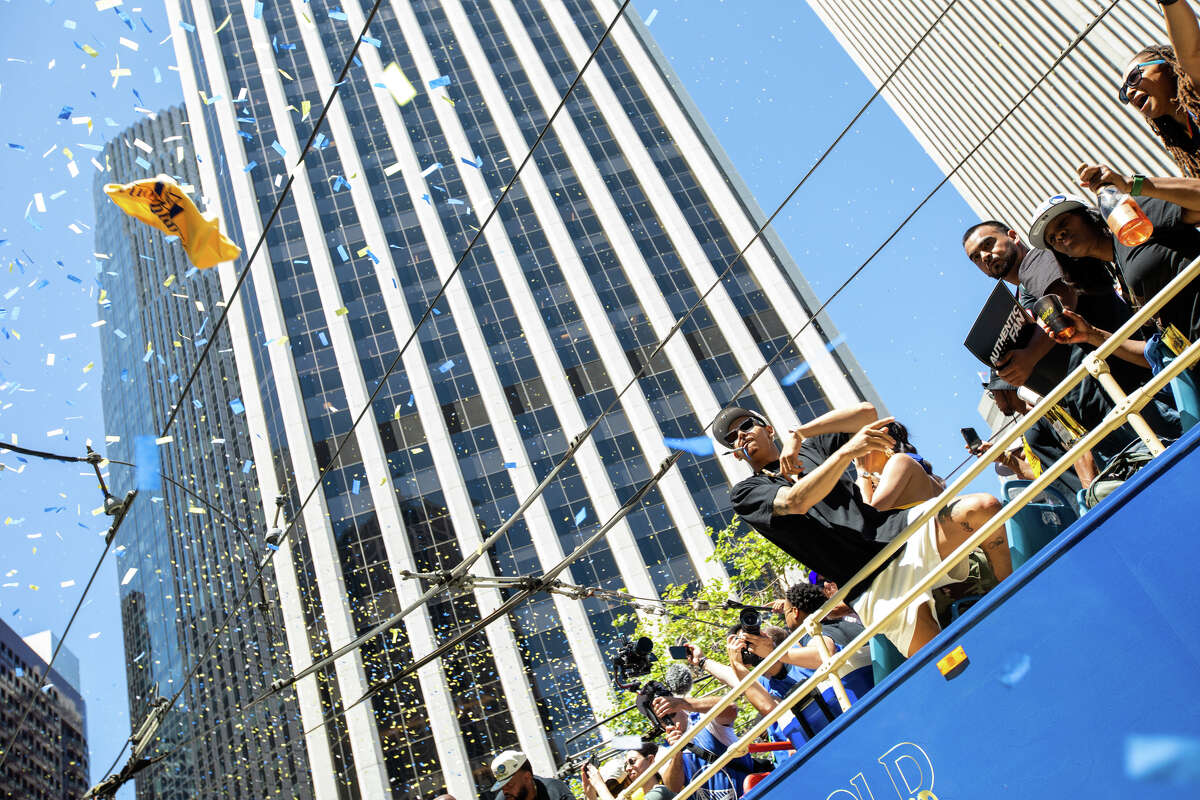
(624, 217)
(978, 63)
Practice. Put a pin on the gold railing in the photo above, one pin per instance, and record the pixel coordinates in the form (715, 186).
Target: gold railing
(1126, 407)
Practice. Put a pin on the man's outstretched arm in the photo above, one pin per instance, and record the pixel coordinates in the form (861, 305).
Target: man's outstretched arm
(812, 488)
(840, 420)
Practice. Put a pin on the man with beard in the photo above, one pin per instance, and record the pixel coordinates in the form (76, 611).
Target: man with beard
(515, 780)
(1001, 255)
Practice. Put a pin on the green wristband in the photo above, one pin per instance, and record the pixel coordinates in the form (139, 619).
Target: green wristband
(1136, 188)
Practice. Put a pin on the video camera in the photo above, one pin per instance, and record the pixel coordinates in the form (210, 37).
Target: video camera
(750, 619)
(632, 660)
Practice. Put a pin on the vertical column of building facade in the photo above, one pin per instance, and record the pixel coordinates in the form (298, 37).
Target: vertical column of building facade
(272, 475)
(966, 76)
(194, 561)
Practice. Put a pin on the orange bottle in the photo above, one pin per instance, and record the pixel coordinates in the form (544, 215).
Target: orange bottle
(1124, 216)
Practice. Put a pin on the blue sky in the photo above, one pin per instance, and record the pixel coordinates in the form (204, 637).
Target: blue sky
(771, 82)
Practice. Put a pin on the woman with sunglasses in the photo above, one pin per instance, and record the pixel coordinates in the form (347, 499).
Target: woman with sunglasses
(1162, 82)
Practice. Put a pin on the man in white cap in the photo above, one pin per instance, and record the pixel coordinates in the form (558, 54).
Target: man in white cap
(515, 780)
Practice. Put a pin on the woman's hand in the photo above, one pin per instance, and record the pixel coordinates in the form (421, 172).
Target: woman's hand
(1093, 176)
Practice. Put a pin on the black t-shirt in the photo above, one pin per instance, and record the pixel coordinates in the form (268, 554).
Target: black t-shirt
(838, 535)
(841, 631)
(1039, 271)
(547, 789)
(1151, 265)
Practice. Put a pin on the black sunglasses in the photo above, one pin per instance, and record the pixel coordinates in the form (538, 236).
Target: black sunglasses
(748, 424)
(1134, 78)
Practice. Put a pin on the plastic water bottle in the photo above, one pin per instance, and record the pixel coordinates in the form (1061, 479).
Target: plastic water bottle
(1124, 216)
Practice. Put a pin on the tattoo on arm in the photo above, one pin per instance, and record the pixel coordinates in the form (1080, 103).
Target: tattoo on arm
(779, 507)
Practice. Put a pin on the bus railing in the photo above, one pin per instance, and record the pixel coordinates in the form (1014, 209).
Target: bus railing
(1126, 408)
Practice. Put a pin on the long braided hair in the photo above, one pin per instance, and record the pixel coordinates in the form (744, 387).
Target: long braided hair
(1183, 146)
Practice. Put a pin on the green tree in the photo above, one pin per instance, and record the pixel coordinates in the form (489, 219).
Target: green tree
(756, 577)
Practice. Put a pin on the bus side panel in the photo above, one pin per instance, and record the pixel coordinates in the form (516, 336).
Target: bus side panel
(1082, 678)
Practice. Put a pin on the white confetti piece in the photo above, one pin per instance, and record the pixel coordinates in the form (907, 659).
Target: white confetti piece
(128, 576)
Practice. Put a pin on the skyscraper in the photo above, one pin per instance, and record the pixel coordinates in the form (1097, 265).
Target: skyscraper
(623, 218)
(49, 759)
(975, 66)
(182, 557)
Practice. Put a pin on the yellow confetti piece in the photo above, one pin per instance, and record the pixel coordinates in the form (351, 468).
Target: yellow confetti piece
(97, 511)
(305, 107)
(196, 510)
(91, 51)
(88, 367)
(170, 279)
(67, 152)
(341, 312)
(284, 74)
(363, 252)
(223, 24)
(447, 99)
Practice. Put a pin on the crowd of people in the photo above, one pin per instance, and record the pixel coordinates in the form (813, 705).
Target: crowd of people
(835, 491)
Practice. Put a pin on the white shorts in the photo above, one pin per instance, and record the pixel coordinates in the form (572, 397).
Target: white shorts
(917, 559)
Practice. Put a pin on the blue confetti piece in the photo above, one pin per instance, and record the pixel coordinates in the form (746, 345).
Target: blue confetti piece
(237, 406)
(354, 487)
(321, 336)
(454, 201)
(796, 374)
(65, 113)
(1163, 757)
(338, 15)
(250, 166)
(125, 375)
(476, 162)
(141, 162)
(371, 40)
(320, 141)
(187, 27)
(446, 367)
(246, 466)
(696, 445)
(149, 464)
(278, 148)
(16, 146)
(342, 252)
(258, 9)
(580, 516)
(442, 80)
(427, 198)
(411, 399)
(71, 277)
(510, 465)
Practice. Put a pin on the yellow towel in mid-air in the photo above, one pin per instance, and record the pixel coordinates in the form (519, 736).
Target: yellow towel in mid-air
(160, 203)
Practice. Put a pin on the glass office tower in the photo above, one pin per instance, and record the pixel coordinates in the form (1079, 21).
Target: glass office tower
(975, 66)
(183, 556)
(625, 215)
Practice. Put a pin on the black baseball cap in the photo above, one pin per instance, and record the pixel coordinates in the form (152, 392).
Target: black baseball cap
(728, 416)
